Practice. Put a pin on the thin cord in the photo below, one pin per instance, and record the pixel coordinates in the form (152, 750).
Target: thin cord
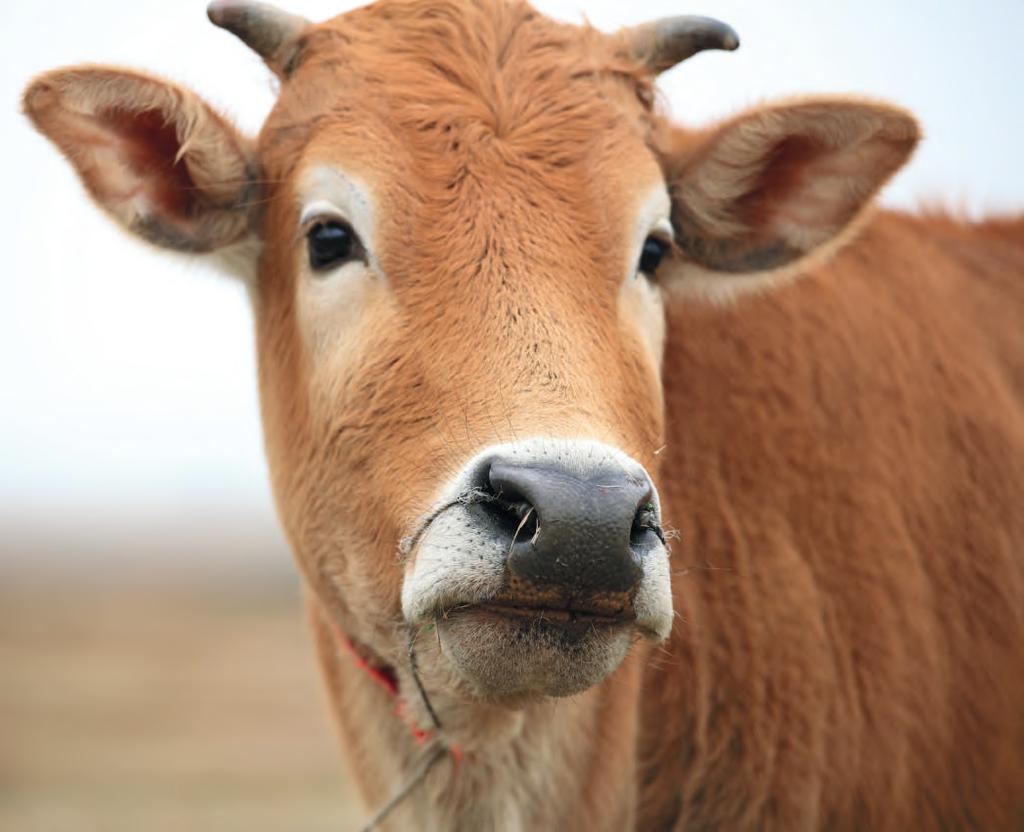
(416, 678)
(428, 759)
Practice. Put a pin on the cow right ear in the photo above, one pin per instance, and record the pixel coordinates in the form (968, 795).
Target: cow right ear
(766, 194)
(154, 155)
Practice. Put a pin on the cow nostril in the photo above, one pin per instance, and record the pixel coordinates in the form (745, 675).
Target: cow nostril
(510, 511)
(645, 524)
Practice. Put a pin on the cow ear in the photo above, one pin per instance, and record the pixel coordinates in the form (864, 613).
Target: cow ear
(154, 155)
(764, 195)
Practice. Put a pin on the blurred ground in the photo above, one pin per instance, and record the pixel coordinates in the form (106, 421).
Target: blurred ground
(162, 705)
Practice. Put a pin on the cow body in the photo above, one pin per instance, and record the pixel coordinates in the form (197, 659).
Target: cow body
(845, 466)
(629, 556)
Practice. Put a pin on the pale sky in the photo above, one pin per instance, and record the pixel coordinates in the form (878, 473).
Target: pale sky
(128, 377)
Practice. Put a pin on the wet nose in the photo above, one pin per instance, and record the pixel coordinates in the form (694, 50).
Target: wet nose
(580, 533)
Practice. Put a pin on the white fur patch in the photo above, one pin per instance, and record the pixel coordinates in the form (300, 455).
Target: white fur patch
(640, 301)
(653, 217)
(325, 190)
(332, 304)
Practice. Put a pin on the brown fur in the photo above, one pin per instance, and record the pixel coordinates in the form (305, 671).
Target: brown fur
(843, 459)
(847, 468)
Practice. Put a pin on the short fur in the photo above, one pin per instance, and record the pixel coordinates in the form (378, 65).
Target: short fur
(843, 458)
(845, 465)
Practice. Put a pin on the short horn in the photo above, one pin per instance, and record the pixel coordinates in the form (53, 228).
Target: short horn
(671, 40)
(270, 32)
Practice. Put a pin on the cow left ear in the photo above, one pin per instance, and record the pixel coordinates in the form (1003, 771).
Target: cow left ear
(155, 156)
(764, 195)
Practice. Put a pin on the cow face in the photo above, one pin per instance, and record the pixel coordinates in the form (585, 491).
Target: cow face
(465, 305)
(467, 220)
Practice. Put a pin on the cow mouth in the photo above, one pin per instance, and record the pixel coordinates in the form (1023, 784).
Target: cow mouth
(508, 647)
(552, 615)
(525, 605)
(525, 599)
(530, 605)
(517, 641)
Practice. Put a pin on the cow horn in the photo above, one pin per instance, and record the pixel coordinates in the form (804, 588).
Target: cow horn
(270, 32)
(671, 40)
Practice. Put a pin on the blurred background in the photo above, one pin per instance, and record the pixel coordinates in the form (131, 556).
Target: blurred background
(154, 667)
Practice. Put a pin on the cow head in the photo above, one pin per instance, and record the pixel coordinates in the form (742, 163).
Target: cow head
(461, 221)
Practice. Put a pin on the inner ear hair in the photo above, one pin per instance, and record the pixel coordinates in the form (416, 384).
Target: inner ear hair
(151, 153)
(776, 185)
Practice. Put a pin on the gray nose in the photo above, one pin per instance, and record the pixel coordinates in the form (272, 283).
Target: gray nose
(582, 534)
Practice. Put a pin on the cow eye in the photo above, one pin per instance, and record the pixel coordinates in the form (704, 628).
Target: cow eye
(652, 254)
(331, 242)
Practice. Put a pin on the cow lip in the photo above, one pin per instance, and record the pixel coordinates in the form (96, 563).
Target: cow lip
(553, 615)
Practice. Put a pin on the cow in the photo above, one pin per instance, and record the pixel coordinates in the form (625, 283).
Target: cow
(640, 476)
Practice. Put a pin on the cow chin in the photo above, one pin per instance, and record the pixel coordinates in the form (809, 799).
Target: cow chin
(502, 659)
(507, 636)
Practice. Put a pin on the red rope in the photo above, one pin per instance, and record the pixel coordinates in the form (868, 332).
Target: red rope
(383, 676)
(387, 679)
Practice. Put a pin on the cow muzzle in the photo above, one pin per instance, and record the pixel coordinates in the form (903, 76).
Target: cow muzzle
(539, 564)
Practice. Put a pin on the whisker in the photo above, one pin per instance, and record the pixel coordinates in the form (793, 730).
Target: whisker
(519, 528)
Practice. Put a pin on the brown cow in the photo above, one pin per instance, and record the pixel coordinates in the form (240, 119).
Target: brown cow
(481, 262)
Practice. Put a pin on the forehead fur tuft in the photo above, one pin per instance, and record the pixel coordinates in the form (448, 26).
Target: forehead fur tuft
(448, 73)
